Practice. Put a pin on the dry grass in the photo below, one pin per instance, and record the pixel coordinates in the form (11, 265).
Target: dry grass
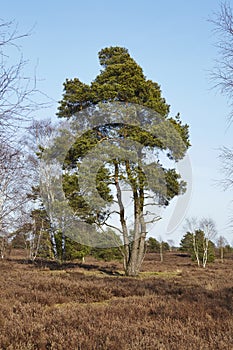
(169, 306)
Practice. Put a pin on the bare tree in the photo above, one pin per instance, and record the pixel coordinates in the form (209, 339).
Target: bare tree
(38, 137)
(13, 189)
(18, 95)
(221, 243)
(226, 157)
(18, 92)
(222, 75)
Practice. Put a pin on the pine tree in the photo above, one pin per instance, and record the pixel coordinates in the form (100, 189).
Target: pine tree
(121, 80)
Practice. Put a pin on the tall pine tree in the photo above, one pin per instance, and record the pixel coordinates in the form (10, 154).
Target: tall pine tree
(121, 80)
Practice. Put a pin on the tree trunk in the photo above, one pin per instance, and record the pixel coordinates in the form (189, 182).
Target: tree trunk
(137, 251)
(53, 242)
(63, 246)
(136, 258)
(3, 248)
(195, 248)
(36, 248)
(205, 254)
(126, 250)
(161, 251)
(134, 247)
(222, 254)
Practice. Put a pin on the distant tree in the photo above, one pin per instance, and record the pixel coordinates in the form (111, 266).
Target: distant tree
(152, 245)
(106, 254)
(71, 250)
(157, 246)
(162, 247)
(109, 253)
(189, 242)
(228, 250)
(186, 244)
(197, 241)
(208, 227)
(194, 244)
(18, 240)
(122, 80)
(33, 235)
(171, 244)
(39, 240)
(221, 245)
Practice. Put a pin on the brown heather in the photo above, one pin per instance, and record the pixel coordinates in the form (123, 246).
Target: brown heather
(91, 306)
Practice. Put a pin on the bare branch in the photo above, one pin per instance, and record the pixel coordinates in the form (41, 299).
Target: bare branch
(226, 157)
(18, 92)
(114, 227)
(222, 74)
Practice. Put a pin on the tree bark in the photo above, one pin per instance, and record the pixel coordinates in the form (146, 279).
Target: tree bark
(205, 254)
(222, 254)
(136, 258)
(195, 248)
(126, 250)
(53, 242)
(137, 251)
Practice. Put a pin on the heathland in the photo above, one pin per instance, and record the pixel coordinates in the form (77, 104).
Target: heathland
(91, 305)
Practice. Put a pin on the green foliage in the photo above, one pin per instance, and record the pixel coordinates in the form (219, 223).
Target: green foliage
(73, 250)
(211, 252)
(107, 254)
(40, 230)
(110, 253)
(224, 252)
(166, 246)
(154, 246)
(228, 248)
(187, 245)
(122, 80)
(18, 241)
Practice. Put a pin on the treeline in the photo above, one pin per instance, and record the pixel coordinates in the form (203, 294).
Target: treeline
(35, 241)
(34, 238)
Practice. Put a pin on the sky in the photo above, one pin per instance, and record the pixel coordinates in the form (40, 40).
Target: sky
(172, 41)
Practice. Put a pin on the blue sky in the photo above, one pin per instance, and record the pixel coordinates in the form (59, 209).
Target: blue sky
(174, 44)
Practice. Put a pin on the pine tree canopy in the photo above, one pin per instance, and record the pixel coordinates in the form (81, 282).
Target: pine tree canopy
(121, 80)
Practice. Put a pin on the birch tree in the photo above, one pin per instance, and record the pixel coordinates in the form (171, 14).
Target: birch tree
(17, 101)
(207, 225)
(198, 240)
(39, 134)
(13, 189)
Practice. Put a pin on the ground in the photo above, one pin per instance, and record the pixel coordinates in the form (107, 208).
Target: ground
(171, 305)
